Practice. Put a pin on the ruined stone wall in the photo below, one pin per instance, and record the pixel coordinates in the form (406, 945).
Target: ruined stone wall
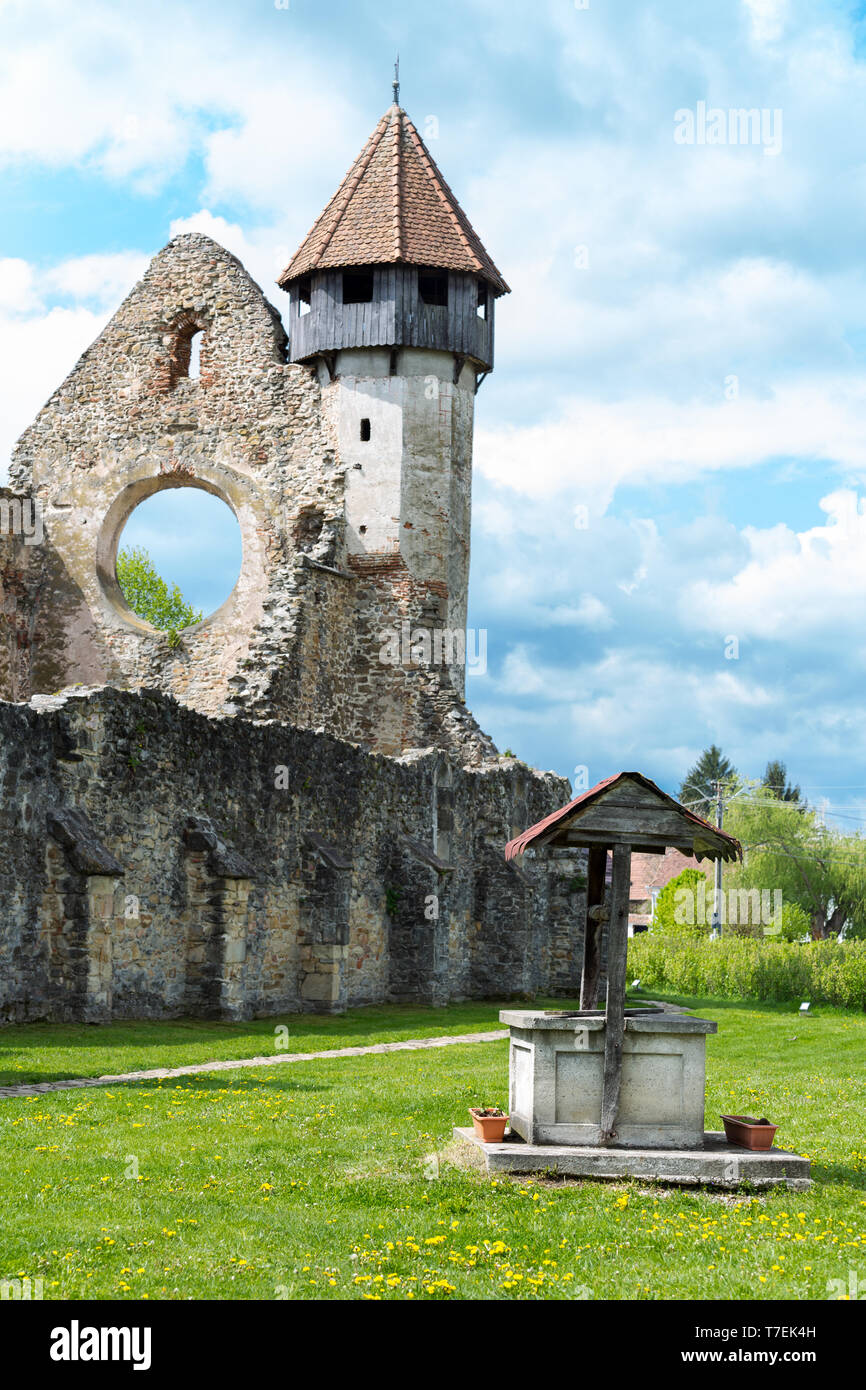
(155, 861)
(45, 628)
(300, 636)
(338, 674)
(128, 423)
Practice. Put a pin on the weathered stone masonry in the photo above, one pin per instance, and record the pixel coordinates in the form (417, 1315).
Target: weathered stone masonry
(150, 866)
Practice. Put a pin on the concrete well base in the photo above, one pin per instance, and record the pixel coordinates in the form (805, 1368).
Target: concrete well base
(557, 1068)
(716, 1164)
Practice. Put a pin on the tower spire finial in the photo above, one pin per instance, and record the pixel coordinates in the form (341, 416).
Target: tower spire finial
(396, 83)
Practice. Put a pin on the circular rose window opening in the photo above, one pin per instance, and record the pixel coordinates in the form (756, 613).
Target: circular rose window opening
(179, 557)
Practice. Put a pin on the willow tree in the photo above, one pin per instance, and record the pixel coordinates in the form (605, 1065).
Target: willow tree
(788, 848)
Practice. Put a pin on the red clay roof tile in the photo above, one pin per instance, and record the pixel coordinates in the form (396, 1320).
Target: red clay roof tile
(393, 206)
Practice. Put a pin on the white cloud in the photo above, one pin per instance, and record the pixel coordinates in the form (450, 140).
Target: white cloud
(767, 18)
(628, 586)
(132, 91)
(589, 612)
(17, 286)
(796, 586)
(269, 158)
(104, 280)
(633, 707)
(592, 447)
(36, 354)
(703, 322)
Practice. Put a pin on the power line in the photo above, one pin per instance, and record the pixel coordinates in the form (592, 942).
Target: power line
(796, 806)
(813, 787)
(812, 858)
(774, 801)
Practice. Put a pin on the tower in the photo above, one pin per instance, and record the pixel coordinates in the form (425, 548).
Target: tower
(392, 305)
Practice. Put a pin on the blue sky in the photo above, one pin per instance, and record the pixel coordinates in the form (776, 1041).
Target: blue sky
(683, 355)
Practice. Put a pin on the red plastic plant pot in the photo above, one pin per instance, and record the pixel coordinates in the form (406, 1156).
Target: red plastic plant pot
(748, 1132)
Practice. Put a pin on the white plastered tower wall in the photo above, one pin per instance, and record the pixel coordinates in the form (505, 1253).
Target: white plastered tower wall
(404, 434)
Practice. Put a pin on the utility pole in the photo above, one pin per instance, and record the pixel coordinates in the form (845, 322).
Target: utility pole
(717, 895)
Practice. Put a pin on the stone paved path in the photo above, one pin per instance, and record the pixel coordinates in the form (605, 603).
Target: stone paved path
(278, 1059)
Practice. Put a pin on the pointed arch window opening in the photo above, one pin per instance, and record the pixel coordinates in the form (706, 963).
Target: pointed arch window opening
(190, 338)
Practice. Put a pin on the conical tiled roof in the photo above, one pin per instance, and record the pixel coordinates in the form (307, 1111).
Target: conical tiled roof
(393, 206)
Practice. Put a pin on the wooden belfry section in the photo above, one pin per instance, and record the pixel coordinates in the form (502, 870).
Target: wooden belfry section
(623, 813)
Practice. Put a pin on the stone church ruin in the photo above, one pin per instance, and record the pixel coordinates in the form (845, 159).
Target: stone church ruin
(265, 813)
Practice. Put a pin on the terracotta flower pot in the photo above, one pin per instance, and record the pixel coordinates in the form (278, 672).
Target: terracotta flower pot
(490, 1128)
(748, 1132)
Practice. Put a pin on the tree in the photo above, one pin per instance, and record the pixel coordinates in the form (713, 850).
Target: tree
(789, 850)
(149, 595)
(684, 906)
(777, 784)
(698, 787)
(795, 924)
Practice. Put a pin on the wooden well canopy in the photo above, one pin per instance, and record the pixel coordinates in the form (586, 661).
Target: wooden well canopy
(627, 808)
(623, 813)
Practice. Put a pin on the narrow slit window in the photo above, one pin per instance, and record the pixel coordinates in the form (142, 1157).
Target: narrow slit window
(365, 431)
(305, 291)
(357, 287)
(482, 300)
(433, 289)
(195, 356)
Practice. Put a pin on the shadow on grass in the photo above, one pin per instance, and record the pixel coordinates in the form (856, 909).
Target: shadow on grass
(365, 1020)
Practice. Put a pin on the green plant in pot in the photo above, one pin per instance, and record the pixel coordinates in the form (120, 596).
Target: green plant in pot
(489, 1122)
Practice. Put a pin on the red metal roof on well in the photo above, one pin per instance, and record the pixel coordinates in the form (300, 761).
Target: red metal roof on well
(523, 841)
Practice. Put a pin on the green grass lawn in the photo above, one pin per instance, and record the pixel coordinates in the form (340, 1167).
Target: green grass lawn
(318, 1180)
(60, 1051)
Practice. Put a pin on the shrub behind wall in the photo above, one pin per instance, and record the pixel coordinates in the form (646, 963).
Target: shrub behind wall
(825, 972)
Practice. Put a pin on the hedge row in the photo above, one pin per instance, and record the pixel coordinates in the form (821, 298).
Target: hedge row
(825, 972)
